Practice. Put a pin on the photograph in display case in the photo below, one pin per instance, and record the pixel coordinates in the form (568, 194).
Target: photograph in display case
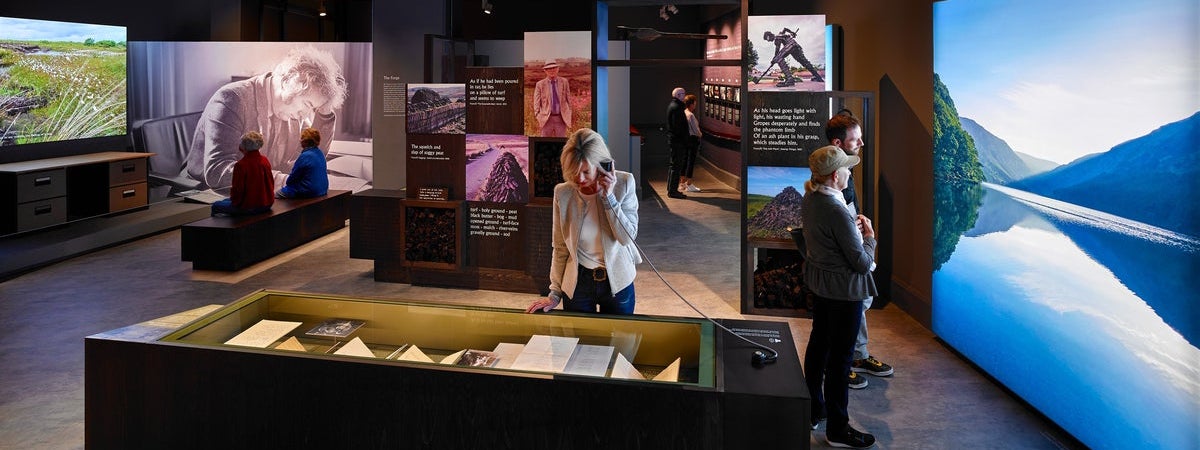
(558, 82)
(478, 358)
(336, 328)
(791, 53)
(437, 108)
(497, 168)
(1040, 239)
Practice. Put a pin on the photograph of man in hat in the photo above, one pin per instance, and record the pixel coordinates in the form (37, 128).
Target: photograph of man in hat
(551, 102)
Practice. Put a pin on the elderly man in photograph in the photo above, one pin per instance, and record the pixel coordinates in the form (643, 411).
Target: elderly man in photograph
(552, 103)
(303, 90)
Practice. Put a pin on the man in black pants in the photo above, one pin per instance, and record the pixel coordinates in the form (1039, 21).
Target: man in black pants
(845, 132)
(677, 138)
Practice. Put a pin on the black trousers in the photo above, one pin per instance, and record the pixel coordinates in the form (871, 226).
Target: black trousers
(827, 359)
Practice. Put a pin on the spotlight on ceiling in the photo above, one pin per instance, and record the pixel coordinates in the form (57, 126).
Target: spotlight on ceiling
(487, 7)
(321, 9)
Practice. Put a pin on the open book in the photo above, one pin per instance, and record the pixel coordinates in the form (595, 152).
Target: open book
(207, 196)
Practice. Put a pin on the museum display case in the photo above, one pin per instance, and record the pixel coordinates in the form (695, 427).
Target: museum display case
(582, 344)
(281, 368)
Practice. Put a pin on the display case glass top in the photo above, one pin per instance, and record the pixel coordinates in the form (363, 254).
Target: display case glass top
(453, 337)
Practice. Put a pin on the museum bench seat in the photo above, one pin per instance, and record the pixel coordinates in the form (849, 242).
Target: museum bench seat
(234, 242)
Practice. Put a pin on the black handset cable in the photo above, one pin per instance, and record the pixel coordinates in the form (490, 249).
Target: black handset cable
(766, 359)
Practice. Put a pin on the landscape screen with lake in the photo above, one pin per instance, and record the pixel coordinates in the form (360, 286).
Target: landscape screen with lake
(1066, 249)
(60, 81)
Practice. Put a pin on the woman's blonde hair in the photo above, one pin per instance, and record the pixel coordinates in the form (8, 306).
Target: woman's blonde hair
(583, 145)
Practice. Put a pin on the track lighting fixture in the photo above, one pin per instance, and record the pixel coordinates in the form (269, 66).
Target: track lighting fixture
(321, 9)
(487, 7)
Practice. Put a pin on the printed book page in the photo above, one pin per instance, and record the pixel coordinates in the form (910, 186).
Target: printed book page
(546, 353)
(263, 333)
(507, 353)
(590, 360)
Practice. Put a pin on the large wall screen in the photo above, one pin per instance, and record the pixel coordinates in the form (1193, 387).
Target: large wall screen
(1066, 219)
(60, 81)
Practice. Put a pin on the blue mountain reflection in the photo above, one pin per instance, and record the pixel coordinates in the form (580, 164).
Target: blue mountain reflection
(1088, 316)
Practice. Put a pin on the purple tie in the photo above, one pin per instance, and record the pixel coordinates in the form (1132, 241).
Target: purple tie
(553, 96)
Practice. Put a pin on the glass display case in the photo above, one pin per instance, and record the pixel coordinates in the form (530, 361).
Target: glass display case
(673, 349)
(293, 370)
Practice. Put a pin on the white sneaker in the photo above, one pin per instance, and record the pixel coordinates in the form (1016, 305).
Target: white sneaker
(692, 188)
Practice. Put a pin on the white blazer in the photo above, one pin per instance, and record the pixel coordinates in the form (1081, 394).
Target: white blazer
(620, 255)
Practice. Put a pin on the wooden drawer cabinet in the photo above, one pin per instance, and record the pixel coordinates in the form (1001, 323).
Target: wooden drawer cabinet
(46, 192)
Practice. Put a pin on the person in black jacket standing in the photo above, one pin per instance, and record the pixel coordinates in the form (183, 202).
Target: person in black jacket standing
(677, 139)
(845, 132)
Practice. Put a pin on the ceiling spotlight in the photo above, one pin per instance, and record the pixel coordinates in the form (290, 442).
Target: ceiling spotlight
(321, 9)
(487, 7)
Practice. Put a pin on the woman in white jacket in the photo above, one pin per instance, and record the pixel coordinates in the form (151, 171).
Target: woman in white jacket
(595, 224)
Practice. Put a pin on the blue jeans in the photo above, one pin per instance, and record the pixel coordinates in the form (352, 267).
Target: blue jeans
(226, 207)
(592, 290)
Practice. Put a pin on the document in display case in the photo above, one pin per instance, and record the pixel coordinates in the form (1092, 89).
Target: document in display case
(420, 371)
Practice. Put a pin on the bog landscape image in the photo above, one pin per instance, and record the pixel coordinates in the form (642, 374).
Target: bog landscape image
(773, 196)
(60, 81)
(497, 168)
(1066, 223)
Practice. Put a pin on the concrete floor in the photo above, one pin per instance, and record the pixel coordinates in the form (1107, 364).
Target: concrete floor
(935, 400)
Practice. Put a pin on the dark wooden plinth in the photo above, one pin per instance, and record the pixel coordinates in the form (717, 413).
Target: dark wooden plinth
(232, 243)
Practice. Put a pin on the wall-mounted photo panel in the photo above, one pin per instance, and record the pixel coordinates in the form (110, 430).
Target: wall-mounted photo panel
(1076, 245)
(60, 81)
(773, 197)
(558, 82)
(787, 53)
(547, 167)
(495, 100)
(497, 168)
(437, 108)
(192, 101)
(435, 167)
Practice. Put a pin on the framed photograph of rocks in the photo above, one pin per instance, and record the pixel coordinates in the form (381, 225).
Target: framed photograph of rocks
(433, 234)
(547, 169)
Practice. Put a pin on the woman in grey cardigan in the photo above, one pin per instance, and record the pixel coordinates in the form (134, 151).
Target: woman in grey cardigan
(841, 251)
(594, 226)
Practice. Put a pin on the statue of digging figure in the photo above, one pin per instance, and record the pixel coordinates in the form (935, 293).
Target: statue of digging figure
(785, 45)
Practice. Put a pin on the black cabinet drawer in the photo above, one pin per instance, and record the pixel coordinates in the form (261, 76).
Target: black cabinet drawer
(41, 185)
(41, 213)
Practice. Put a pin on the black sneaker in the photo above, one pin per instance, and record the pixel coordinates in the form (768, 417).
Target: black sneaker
(872, 366)
(850, 438)
(856, 382)
(817, 418)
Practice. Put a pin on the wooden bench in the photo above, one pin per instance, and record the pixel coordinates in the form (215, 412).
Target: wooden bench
(232, 243)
